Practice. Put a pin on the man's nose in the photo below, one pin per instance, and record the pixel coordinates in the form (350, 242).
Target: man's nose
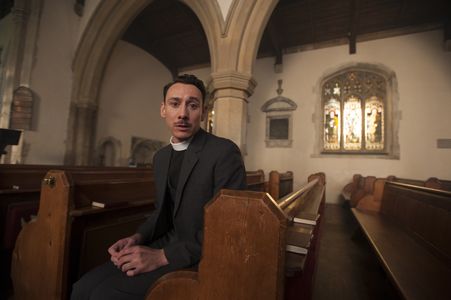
(183, 112)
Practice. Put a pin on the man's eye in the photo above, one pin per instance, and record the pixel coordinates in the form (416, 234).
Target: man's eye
(173, 104)
(193, 106)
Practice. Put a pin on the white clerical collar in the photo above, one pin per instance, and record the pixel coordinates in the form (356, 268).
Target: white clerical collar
(180, 146)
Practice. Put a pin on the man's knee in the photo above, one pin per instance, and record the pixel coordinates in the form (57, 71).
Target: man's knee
(80, 291)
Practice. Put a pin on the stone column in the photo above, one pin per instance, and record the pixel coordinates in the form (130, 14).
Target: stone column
(20, 57)
(230, 91)
(83, 119)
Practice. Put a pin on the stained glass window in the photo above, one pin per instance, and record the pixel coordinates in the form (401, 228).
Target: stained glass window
(332, 125)
(352, 124)
(353, 112)
(374, 124)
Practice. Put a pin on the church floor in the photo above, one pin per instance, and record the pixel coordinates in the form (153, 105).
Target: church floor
(347, 266)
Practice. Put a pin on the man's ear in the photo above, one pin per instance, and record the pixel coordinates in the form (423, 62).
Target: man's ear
(163, 110)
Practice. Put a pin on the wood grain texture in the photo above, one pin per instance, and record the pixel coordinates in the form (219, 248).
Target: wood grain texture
(416, 272)
(243, 255)
(243, 252)
(38, 266)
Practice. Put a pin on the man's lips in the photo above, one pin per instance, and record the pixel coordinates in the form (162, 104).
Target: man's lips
(182, 126)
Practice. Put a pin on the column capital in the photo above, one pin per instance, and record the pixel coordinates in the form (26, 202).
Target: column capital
(231, 84)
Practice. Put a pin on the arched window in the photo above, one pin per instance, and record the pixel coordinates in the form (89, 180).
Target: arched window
(108, 153)
(357, 111)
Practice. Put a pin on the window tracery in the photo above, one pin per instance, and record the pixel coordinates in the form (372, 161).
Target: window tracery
(354, 103)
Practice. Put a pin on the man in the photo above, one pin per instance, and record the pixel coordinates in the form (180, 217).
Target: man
(188, 173)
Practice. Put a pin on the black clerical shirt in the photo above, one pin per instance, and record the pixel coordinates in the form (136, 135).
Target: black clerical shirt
(175, 166)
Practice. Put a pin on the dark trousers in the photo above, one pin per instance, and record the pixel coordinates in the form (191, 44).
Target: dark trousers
(108, 282)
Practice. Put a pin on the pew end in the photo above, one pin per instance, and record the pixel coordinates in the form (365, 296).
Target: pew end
(235, 252)
(280, 184)
(252, 248)
(50, 237)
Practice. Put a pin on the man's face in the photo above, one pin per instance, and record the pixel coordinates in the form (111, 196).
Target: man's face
(183, 111)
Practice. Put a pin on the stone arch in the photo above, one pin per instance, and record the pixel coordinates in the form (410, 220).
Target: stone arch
(143, 151)
(233, 50)
(108, 152)
(104, 29)
(232, 43)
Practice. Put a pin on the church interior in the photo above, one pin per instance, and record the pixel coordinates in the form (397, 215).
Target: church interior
(340, 110)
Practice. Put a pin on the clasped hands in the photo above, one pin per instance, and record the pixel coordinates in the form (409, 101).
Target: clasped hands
(134, 259)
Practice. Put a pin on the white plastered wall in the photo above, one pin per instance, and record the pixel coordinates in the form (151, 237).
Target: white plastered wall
(51, 81)
(423, 72)
(130, 97)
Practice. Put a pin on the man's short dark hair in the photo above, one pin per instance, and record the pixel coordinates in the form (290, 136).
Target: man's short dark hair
(186, 79)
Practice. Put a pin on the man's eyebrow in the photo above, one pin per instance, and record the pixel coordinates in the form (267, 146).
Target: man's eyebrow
(194, 98)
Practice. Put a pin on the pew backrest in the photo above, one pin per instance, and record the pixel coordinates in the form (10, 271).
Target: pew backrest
(365, 187)
(280, 184)
(424, 212)
(255, 181)
(432, 182)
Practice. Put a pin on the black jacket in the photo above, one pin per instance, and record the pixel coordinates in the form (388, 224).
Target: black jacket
(210, 164)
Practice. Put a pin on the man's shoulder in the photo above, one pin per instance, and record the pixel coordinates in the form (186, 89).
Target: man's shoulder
(217, 141)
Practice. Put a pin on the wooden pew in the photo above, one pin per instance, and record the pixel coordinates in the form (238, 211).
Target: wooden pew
(411, 235)
(20, 187)
(372, 201)
(70, 236)
(432, 182)
(238, 261)
(280, 184)
(351, 187)
(362, 190)
(306, 218)
(255, 181)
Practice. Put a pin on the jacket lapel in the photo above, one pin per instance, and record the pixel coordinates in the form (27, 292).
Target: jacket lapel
(190, 160)
(162, 178)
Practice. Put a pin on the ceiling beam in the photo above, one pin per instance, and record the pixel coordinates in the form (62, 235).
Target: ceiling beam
(353, 24)
(275, 42)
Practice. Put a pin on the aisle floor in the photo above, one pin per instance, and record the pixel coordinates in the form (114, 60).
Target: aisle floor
(347, 266)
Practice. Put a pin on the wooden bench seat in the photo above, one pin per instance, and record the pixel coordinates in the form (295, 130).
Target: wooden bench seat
(244, 254)
(411, 235)
(414, 270)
